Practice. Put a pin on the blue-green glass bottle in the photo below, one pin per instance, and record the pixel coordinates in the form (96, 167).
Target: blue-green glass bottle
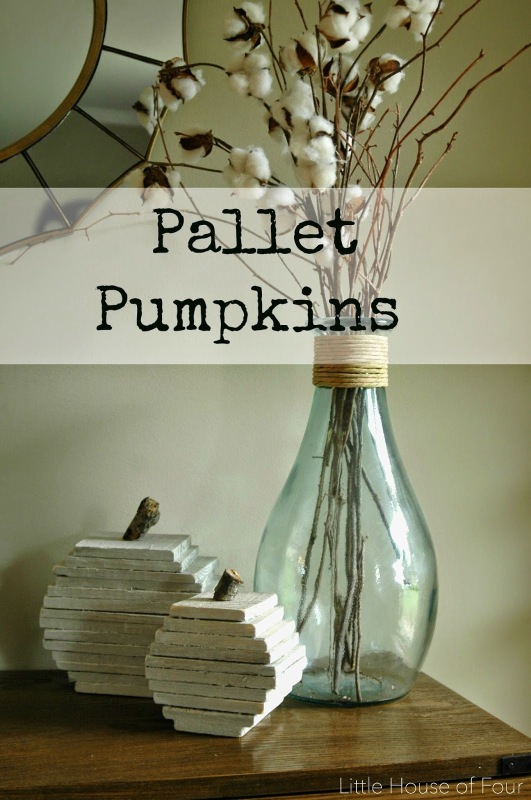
(348, 551)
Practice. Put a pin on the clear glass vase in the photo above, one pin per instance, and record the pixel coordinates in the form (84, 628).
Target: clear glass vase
(348, 551)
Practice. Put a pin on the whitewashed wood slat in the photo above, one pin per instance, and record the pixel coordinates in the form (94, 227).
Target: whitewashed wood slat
(201, 568)
(183, 565)
(111, 669)
(130, 606)
(243, 656)
(99, 637)
(204, 626)
(94, 647)
(153, 546)
(124, 690)
(129, 583)
(101, 662)
(81, 625)
(231, 667)
(235, 680)
(208, 690)
(277, 634)
(68, 614)
(240, 687)
(79, 592)
(216, 723)
(107, 677)
(218, 703)
(242, 608)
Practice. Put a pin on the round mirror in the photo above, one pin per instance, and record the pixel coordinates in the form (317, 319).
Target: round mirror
(40, 85)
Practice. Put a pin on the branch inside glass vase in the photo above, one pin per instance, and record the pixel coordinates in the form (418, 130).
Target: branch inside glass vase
(342, 540)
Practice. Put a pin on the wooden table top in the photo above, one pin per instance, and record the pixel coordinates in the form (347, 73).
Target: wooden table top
(59, 744)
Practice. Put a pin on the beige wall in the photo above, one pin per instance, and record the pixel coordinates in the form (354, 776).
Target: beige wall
(81, 445)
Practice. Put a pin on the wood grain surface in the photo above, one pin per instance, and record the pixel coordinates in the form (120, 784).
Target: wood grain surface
(59, 744)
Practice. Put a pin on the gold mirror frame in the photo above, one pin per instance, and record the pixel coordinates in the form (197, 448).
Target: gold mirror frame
(87, 73)
(82, 81)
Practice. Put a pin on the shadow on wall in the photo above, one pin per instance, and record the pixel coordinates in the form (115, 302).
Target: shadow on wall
(23, 585)
(22, 588)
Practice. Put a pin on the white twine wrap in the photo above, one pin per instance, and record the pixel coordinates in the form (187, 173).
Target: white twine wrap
(350, 361)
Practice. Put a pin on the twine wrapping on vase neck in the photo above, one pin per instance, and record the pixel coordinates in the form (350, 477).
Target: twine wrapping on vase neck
(350, 361)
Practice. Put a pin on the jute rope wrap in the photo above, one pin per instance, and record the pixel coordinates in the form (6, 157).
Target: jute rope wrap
(350, 361)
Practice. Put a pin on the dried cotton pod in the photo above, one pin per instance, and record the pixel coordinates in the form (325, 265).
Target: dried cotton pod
(244, 27)
(177, 83)
(195, 143)
(148, 107)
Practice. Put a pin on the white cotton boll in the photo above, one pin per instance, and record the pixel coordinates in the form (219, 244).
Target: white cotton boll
(233, 26)
(323, 176)
(325, 257)
(354, 201)
(279, 115)
(321, 150)
(301, 55)
(155, 197)
(377, 98)
(366, 121)
(419, 25)
(280, 196)
(257, 164)
(188, 87)
(318, 124)
(250, 189)
(378, 68)
(308, 40)
(184, 88)
(238, 159)
(397, 16)
(250, 74)
(145, 109)
(255, 12)
(298, 100)
(353, 194)
(240, 83)
(168, 98)
(342, 70)
(286, 220)
(260, 84)
(413, 5)
(392, 83)
(197, 153)
(428, 6)
(174, 178)
(255, 61)
(335, 26)
(146, 98)
(298, 144)
(242, 181)
(153, 185)
(289, 58)
(362, 28)
(300, 128)
(349, 46)
(352, 7)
